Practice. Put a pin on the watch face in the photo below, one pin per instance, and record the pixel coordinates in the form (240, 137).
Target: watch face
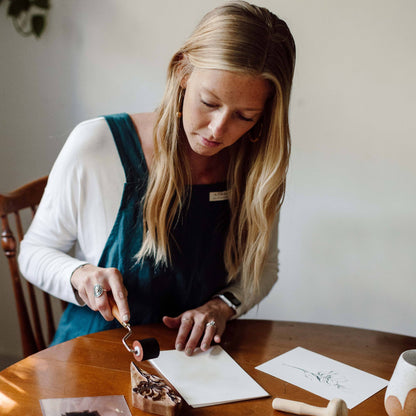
(232, 299)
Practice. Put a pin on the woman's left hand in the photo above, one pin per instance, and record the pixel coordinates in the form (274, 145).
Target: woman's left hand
(206, 324)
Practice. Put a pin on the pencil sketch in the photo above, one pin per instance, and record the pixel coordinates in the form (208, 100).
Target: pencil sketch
(330, 378)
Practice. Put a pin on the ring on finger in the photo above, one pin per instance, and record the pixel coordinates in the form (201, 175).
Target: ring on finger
(98, 290)
(211, 323)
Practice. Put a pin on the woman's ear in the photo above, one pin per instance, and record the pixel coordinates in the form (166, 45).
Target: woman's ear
(184, 81)
(182, 69)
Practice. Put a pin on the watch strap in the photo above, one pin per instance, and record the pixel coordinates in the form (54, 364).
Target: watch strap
(229, 299)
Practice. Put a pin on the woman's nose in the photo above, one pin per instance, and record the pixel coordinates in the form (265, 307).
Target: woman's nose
(218, 124)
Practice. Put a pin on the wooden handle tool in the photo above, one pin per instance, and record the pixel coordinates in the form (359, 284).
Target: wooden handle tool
(336, 407)
(144, 349)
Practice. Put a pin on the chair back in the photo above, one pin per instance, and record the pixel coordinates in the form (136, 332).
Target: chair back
(34, 318)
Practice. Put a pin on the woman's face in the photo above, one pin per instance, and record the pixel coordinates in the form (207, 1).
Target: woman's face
(219, 107)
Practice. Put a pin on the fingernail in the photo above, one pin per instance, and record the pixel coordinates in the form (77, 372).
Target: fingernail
(204, 347)
(179, 347)
(125, 318)
(188, 351)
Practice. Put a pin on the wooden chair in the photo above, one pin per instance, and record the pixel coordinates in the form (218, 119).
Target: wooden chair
(31, 325)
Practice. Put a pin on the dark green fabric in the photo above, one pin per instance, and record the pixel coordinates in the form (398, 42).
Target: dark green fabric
(198, 270)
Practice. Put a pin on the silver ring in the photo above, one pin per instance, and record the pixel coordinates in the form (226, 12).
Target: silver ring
(211, 323)
(98, 290)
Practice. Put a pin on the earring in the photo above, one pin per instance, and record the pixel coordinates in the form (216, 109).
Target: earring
(254, 139)
(258, 135)
(180, 103)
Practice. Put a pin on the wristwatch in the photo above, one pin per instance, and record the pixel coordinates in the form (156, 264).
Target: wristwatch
(229, 299)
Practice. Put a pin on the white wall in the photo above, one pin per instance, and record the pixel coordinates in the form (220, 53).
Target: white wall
(348, 224)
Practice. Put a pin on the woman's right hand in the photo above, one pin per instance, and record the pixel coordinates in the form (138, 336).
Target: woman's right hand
(84, 280)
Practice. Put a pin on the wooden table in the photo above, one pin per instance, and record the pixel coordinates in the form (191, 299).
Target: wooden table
(98, 364)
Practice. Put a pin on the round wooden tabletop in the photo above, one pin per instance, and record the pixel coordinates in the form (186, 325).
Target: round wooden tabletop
(98, 365)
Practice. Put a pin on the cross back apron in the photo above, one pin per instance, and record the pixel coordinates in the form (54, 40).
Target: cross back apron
(197, 271)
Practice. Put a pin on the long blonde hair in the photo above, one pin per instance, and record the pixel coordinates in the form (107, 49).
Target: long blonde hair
(242, 38)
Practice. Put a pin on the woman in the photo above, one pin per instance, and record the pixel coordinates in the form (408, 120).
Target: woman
(174, 214)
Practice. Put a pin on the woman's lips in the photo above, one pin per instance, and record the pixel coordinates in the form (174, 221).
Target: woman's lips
(210, 143)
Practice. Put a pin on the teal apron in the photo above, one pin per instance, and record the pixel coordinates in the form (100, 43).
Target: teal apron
(197, 270)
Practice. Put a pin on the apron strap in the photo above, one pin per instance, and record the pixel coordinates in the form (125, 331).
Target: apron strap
(128, 146)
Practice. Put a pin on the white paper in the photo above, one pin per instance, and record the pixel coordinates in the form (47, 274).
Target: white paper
(207, 378)
(323, 376)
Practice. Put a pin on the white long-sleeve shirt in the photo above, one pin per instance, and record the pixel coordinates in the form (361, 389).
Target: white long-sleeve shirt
(78, 211)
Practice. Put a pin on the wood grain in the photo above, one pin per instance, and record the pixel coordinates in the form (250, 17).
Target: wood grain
(98, 364)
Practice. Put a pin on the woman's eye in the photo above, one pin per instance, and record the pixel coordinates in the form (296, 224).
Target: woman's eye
(245, 118)
(207, 104)
(239, 115)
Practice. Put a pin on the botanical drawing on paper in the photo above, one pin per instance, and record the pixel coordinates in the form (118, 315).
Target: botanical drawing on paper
(330, 377)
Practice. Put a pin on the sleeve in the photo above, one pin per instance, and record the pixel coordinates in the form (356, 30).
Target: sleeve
(268, 277)
(55, 229)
